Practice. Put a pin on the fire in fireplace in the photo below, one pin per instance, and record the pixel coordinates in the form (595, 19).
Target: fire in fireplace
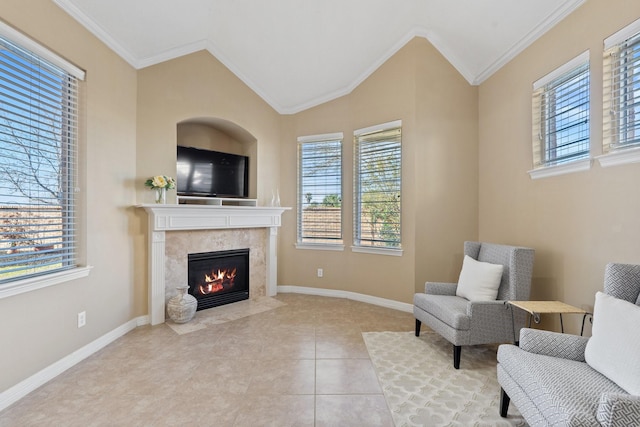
(217, 278)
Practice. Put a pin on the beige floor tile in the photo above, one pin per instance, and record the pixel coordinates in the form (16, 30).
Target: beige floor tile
(346, 376)
(300, 363)
(283, 376)
(352, 411)
(289, 347)
(219, 377)
(280, 411)
(341, 346)
(202, 410)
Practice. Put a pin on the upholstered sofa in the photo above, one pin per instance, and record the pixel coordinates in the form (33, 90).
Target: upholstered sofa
(567, 380)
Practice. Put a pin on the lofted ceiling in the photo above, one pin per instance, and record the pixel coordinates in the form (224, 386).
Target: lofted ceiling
(297, 54)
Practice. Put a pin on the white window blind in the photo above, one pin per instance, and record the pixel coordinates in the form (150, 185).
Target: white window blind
(38, 128)
(621, 90)
(378, 186)
(561, 115)
(320, 189)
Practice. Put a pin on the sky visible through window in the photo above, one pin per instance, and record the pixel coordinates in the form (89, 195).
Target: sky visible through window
(567, 117)
(30, 130)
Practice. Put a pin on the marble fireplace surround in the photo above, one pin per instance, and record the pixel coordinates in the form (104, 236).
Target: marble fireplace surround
(176, 230)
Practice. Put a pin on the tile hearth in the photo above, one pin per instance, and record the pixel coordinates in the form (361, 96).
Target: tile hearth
(302, 363)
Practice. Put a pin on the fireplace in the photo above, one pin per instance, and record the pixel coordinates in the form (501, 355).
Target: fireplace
(218, 278)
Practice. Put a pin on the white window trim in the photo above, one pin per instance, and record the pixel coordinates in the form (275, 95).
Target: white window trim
(574, 63)
(322, 137)
(29, 284)
(622, 35)
(562, 169)
(18, 287)
(622, 156)
(577, 165)
(27, 43)
(379, 128)
(320, 247)
(377, 250)
(372, 249)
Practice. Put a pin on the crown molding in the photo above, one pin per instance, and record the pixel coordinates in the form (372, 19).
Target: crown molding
(554, 18)
(174, 53)
(95, 29)
(474, 78)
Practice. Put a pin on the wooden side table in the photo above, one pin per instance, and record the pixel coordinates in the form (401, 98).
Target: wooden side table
(536, 308)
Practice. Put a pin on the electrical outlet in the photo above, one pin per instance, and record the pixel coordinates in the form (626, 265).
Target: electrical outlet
(82, 319)
(320, 272)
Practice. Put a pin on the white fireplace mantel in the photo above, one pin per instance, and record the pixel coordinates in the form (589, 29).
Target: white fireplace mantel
(167, 218)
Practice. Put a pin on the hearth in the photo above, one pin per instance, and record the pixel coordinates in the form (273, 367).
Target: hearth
(218, 278)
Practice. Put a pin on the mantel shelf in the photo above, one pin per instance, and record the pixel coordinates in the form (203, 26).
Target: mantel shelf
(198, 217)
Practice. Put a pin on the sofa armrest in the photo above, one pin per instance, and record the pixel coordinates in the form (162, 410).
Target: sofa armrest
(618, 410)
(553, 344)
(440, 288)
(475, 308)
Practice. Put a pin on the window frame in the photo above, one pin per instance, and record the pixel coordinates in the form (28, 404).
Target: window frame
(615, 153)
(544, 115)
(323, 241)
(360, 136)
(30, 281)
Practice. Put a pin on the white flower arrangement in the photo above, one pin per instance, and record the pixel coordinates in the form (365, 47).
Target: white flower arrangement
(160, 181)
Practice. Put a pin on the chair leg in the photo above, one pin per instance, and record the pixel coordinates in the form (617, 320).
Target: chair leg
(418, 324)
(456, 356)
(504, 403)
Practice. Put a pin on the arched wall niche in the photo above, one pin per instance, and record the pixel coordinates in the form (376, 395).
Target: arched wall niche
(217, 134)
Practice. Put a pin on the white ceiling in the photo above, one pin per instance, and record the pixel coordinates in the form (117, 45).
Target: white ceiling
(297, 54)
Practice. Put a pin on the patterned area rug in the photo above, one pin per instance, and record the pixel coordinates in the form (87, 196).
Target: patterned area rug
(423, 389)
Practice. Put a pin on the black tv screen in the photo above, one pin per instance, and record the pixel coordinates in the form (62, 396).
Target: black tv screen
(211, 173)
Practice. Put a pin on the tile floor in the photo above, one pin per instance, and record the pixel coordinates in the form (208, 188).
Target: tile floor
(302, 364)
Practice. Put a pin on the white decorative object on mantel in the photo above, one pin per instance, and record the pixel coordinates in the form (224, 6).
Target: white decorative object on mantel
(167, 218)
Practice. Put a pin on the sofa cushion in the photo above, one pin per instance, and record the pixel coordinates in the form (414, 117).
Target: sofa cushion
(615, 342)
(565, 392)
(448, 309)
(479, 281)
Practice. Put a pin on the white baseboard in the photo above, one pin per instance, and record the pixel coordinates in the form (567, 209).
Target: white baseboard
(18, 391)
(382, 302)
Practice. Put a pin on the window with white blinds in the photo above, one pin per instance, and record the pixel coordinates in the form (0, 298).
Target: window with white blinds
(38, 128)
(378, 186)
(320, 190)
(561, 115)
(621, 89)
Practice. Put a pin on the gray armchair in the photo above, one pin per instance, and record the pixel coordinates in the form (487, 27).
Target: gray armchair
(464, 322)
(550, 382)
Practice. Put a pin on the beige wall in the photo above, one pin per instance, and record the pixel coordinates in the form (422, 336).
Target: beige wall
(578, 222)
(198, 86)
(207, 137)
(439, 175)
(40, 327)
(446, 167)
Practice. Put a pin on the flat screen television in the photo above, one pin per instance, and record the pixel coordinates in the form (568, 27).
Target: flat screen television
(211, 173)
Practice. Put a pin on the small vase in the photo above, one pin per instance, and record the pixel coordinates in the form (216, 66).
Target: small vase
(182, 307)
(161, 195)
(275, 200)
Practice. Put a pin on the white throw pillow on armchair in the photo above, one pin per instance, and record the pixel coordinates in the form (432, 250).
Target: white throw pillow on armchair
(479, 281)
(614, 346)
